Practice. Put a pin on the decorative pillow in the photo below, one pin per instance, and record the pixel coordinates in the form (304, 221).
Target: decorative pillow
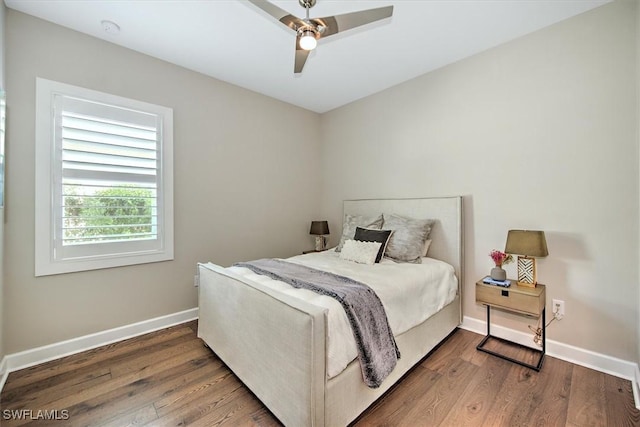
(352, 221)
(407, 243)
(427, 244)
(360, 252)
(368, 235)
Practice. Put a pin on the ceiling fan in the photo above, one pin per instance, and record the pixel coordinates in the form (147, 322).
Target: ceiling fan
(310, 30)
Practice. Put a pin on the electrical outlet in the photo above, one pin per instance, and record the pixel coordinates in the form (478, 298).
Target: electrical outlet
(196, 280)
(558, 309)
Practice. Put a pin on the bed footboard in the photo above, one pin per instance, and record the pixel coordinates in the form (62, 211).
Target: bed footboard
(242, 322)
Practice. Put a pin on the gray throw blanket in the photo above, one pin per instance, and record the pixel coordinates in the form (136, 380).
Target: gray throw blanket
(377, 349)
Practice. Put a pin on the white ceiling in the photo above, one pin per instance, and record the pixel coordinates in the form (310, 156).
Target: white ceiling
(234, 41)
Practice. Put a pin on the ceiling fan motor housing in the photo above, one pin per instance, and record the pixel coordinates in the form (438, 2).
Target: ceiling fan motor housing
(307, 3)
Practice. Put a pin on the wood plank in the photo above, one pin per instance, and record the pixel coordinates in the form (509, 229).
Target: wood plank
(588, 405)
(548, 398)
(427, 399)
(192, 391)
(438, 400)
(619, 397)
(138, 361)
(173, 380)
(469, 353)
(137, 417)
(524, 354)
(533, 398)
(205, 404)
(262, 417)
(40, 394)
(459, 343)
(396, 404)
(512, 394)
(474, 404)
(235, 411)
(138, 393)
(52, 370)
(77, 403)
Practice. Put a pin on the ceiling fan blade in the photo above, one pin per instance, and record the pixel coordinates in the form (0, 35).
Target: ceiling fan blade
(281, 15)
(301, 57)
(347, 21)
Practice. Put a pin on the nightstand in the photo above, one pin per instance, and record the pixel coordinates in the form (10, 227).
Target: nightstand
(516, 299)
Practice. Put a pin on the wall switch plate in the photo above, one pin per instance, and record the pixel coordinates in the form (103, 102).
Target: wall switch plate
(196, 280)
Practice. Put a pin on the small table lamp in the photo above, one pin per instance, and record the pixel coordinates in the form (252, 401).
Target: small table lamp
(529, 243)
(320, 229)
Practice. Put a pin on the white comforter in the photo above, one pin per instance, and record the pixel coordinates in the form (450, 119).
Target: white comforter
(410, 293)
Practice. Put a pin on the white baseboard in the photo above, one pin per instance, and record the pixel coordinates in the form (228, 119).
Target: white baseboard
(636, 388)
(35, 356)
(580, 356)
(4, 373)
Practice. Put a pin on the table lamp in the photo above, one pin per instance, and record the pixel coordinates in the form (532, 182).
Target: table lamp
(320, 229)
(527, 244)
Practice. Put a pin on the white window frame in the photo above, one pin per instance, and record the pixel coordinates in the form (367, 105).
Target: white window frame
(49, 260)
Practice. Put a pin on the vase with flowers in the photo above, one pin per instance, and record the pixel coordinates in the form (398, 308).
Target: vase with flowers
(499, 259)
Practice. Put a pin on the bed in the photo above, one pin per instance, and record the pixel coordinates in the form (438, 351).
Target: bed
(276, 343)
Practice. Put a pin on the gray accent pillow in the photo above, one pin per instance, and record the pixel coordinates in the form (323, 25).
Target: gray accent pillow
(408, 239)
(351, 222)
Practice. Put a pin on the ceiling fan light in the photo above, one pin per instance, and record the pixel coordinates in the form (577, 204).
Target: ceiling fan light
(308, 40)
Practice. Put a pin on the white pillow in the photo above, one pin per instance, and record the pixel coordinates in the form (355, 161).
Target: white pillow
(360, 252)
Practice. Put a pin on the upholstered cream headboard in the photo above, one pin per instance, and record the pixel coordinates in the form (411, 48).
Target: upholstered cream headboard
(447, 233)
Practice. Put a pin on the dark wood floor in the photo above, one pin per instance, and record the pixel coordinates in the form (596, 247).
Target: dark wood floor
(168, 378)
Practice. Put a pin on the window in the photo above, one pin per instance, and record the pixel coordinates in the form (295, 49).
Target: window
(104, 179)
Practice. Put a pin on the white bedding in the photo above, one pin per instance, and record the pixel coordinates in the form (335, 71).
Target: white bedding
(410, 293)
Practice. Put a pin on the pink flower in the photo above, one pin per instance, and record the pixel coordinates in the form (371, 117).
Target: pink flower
(500, 258)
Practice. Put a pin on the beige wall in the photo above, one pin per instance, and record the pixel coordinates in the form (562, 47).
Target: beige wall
(243, 184)
(2, 85)
(539, 133)
(638, 134)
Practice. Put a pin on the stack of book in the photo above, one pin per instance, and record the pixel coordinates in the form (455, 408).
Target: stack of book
(489, 281)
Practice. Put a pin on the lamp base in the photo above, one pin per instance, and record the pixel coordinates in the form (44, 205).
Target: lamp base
(526, 272)
(321, 243)
(526, 285)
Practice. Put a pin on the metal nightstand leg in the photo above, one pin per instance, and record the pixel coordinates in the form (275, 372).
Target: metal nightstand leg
(535, 367)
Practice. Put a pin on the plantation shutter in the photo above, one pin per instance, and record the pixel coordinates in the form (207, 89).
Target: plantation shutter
(103, 181)
(108, 176)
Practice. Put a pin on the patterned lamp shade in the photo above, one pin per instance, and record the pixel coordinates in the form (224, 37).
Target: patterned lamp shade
(530, 243)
